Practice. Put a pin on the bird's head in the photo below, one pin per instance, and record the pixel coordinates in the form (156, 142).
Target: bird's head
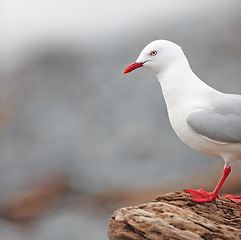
(157, 56)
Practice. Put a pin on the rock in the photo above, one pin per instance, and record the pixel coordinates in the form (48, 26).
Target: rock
(29, 204)
(175, 216)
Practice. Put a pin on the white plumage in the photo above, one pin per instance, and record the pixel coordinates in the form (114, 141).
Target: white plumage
(205, 119)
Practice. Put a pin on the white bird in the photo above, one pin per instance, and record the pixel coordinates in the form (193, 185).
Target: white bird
(205, 119)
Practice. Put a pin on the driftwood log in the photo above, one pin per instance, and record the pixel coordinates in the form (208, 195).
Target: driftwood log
(175, 216)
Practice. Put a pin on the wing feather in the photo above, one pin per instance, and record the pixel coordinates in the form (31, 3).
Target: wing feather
(221, 123)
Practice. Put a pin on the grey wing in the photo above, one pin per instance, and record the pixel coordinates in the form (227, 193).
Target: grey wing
(222, 123)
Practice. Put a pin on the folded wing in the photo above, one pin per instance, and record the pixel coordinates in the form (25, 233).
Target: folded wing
(220, 123)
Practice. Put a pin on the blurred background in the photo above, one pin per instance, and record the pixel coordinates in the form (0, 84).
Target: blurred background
(78, 139)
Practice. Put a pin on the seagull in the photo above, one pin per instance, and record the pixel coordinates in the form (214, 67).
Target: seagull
(205, 119)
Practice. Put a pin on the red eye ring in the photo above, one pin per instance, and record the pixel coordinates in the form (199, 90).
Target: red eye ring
(153, 53)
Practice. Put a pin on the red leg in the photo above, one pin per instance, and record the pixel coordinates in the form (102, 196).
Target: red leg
(203, 196)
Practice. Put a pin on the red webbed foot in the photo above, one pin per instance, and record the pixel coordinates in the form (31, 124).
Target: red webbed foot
(233, 198)
(201, 195)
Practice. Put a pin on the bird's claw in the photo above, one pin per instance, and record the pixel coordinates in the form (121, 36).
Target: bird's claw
(201, 195)
(233, 198)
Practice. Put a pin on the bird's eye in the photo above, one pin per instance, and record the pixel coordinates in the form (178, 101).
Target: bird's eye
(153, 53)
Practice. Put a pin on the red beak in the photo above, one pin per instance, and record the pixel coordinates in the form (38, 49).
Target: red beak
(133, 66)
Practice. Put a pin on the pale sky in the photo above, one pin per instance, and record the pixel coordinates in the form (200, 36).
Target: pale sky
(27, 19)
(25, 22)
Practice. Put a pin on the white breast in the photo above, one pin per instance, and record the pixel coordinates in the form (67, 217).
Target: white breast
(177, 115)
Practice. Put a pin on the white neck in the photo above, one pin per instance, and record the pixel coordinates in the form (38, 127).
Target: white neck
(179, 84)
